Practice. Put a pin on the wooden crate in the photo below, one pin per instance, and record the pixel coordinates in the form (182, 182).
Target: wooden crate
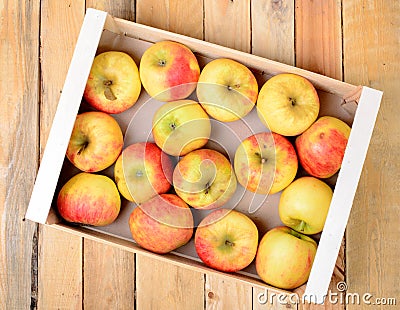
(356, 105)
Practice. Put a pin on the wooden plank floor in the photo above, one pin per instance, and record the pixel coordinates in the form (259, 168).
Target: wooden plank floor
(353, 40)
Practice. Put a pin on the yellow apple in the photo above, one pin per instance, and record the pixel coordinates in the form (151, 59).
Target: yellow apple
(169, 71)
(265, 163)
(226, 240)
(285, 257)
(113, 85)
(95, 143)
(288, 104)
(304, 205)
(89, 199)
(204, 179)
(227, 90)
(321, 147)
(180, 127)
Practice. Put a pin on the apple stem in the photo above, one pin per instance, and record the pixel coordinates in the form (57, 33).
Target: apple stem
(107, 91)
(83, 147)
(227, 242)
(302, 226)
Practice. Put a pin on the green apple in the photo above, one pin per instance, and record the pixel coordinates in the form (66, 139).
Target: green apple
(180, 127)
(304, 205)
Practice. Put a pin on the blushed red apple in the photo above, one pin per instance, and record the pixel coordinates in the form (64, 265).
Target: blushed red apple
(162, 224)
(226, 240)
(265, 163)
(169, 71)
(89, 199)
(95, 143)
(321, 147)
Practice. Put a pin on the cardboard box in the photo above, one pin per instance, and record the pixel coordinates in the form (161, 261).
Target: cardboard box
(358, 106)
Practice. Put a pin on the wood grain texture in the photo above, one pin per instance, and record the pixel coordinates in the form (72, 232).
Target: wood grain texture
(60, 270)
(227, 294)
(273, 30)
(264, 299)
(60, 254)
(318, 37)
(227, 23)
(184, 17)
(371, 32)
(19, 89)
(109, 272)
(118, 8)
(161, 285)
(109, 277)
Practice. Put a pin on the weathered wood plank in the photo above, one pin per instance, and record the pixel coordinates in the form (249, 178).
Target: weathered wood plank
(264, 299)
(184, 17)
(60, 256)
(371, 57)
(19, 89)
(273, 30)
(118, 8)
(227, 294)
(318, 37)
(227, 23)
(60, 270)
(109, 277)
(160, 285)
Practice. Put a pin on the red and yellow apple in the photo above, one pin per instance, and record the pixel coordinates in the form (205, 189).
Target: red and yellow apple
(89, 199)
(304, 205)
(113, 85)
(180, 127)
(321, 147)
(143, 171)
(285, 257)
(227, 90)
(169, 71)
(204, 179)
(162, 224)
(95, 143)
(226, 240)
(288, 104)
(265, 163)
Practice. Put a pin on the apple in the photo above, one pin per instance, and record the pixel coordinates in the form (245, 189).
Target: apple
(321, 147)
(288, 104)
(89, 199)
(180, 127)
(265, 163)
(284, 257)
(204, 179)
(169, 71)
(162, 224)
(227, 90)
(95, 143)
(304, 205)
(143, 171)
(226, 240)
(113, 85)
